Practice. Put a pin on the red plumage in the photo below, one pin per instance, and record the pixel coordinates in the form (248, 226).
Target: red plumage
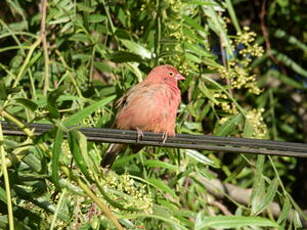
(149, 106)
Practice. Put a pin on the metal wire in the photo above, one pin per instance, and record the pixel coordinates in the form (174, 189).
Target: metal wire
(187, 141)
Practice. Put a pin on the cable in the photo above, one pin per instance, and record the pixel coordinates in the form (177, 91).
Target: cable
(188, 141)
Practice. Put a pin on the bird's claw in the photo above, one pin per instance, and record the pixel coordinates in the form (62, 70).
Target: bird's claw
(140, 135)
(164, 137)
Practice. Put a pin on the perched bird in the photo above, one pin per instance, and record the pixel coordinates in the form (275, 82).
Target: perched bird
(150, 105)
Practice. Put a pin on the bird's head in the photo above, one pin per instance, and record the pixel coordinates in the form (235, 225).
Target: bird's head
(165, 74)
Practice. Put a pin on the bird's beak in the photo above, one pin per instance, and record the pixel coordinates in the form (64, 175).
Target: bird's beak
(179, 77)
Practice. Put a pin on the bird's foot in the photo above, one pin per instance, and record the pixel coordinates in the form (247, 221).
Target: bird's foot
(140, 135)
(164, 137)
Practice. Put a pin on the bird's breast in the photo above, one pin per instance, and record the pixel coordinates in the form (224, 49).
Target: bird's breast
(151, 108)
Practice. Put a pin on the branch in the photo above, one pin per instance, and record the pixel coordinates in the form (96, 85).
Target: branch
(221, 190)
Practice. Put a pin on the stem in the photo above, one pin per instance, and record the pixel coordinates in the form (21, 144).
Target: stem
(19, 124)
(6, 182)
(106, 8)
(272, 111)
(158, 33)
(101, 205)
(26, 62)
(285, 192)
(227, 93)
(12, 33)
(44, 4)
(57, 209)
(69, 71)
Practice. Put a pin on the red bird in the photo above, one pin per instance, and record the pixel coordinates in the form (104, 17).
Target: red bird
(150, 105)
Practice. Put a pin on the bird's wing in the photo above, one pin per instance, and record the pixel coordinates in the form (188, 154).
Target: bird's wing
(123, 101)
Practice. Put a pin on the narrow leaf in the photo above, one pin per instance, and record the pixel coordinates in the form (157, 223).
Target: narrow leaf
(137, 49)
(73, 139)
(264, 200)
(160, 164)
(122, 56)
(199, 157)
(229, 126)
(27, 103)
(161, 186)
(79, 116)
(228, 222)
(56, 153)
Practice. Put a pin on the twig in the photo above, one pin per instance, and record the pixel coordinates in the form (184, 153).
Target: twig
(69, 72)
(220, 206)
(27, 60)
(107, 212)
(158, 32)
(43, 10)
(237, 194)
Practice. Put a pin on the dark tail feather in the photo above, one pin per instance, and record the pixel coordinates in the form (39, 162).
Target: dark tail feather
(111, 154)
(136, 148)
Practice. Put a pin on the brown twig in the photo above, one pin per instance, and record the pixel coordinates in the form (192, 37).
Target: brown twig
(237, 194)
(220, 206)
(43, 10)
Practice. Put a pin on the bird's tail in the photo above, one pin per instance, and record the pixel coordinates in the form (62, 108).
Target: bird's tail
(111, 154)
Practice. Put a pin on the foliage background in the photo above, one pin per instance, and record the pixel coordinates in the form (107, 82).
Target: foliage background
(244, 63)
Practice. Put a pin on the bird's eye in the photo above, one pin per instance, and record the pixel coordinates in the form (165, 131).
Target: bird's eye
(171, 74)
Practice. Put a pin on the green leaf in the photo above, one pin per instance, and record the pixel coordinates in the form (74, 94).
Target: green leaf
(297, 220)
(192, 58)
(199, 157)
(121, 162)
(32, 160)
(52, 98)
(192, 22)
(79, 116)
(285, 79)
(54, 113)
(206, 92)
(258, 191)
(103, 67)
(123, 56)
(286, 210)
(75, 148)
(95, 18)
(290, 63)
(160, 164)
(263, 198)
(56, 153)
(162, 186)
(229, 126)
(248, 129)
(202, 3)
(85, 8)
(3, 195)
(80, 38)
(137, 49)
(291, 39)
(227, 222)
(27, 103)
(196, 49)
(3, 91)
